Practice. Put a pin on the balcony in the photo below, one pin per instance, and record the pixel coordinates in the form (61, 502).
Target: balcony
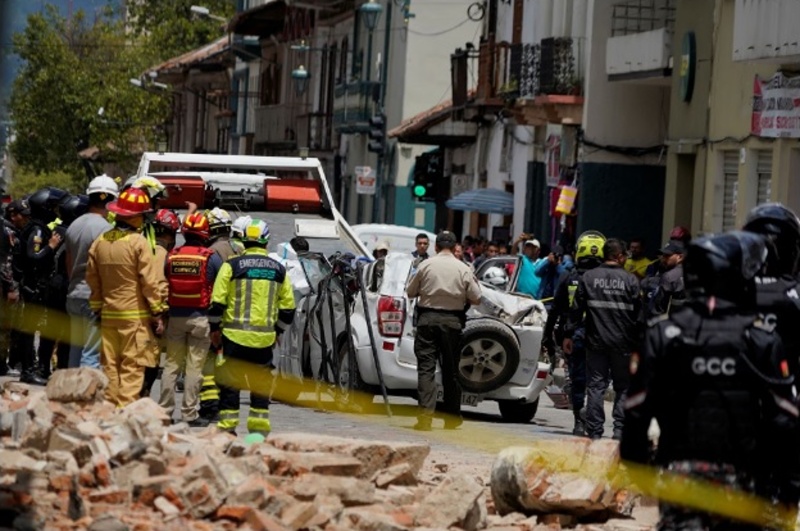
(314, 132)
(353, 105)
(277, 125)
(766, 30)
(509, 72)
(640, 46)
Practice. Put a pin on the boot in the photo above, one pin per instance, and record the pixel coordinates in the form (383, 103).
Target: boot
(579, 430)
(30, 377)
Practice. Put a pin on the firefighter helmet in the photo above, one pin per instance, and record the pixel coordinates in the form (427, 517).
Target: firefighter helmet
(166, 221)
(196, 224)
(131, 202)
(239, 225)
(219, 221)
(257, 232)
(103, 184)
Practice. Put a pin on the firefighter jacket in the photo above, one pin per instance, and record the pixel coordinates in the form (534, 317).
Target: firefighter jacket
(126, 277)
(608, 299)
(226, 248)
(253, 300)
(191, 271)
(780, 297)
(716, 380)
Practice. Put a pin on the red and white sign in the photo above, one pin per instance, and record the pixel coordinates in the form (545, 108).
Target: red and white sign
(365, 180)
(776, 107)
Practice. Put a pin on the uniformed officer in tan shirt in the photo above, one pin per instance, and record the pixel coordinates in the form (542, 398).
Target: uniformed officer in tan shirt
(445, 287)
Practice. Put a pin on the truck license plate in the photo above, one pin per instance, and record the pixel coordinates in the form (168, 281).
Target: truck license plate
(467, 399)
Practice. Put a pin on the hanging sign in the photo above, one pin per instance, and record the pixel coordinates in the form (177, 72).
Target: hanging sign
(776, 107)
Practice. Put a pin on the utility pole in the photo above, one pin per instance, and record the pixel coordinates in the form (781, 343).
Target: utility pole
(377, 200)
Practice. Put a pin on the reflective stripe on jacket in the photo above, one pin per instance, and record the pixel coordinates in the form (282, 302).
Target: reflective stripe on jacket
(253, 297)
(126, 278)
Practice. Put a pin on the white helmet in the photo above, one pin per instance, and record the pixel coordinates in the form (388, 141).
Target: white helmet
(495, 276)
(219, 218)
(239, 226)
(103, 184)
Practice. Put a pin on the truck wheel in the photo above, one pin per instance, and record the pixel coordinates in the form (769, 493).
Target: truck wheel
(517, 412)
(489, 356)
(351, 391)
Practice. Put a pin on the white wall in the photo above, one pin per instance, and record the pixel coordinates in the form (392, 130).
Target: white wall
(618, 113)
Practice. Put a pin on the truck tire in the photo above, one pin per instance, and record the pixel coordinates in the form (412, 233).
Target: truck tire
(489, 356)
(518, 412)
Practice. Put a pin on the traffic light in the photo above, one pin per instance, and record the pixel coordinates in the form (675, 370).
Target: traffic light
(377, 134)
(428, 177)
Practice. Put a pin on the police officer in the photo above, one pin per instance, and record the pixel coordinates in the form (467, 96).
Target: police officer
(670, 292)
(36, 263)
(445, 288)
(608, 297)
(252, 304)
(714, 376)
(589, 254)
(16, 217)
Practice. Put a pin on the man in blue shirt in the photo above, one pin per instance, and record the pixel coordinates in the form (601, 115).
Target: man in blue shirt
(529, 283)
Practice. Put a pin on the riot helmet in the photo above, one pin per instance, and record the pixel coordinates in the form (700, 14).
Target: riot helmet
(43, 203)
(725, 266)
(72, 207)
(781, 228)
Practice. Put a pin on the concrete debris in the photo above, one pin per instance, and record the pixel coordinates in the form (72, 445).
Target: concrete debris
(70, 460)
(567, 480)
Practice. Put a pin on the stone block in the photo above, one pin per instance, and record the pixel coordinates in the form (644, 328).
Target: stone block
(457, 501)
(373, 455)
(351, 491)
(76, 385)
(297, 515)
(395, 475)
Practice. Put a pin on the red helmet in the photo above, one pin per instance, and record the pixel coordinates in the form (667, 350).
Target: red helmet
(131, 202)
(680, 233)
(167, 220)
(197, 224)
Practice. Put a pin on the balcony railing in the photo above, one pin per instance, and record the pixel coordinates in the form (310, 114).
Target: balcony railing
(314, 131)
(353, 104)
(552, 66)
(278, 124)
(637, 16)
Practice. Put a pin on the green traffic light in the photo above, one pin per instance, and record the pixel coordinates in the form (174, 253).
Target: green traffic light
(419, 190)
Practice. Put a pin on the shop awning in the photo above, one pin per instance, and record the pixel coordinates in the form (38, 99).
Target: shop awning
(483, 201)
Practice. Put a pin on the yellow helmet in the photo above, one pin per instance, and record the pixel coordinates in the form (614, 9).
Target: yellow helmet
(590, 246)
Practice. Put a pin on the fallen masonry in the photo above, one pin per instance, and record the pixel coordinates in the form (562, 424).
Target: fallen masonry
(71, 461)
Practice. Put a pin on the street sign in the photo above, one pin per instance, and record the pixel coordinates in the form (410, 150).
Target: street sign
(365, 180)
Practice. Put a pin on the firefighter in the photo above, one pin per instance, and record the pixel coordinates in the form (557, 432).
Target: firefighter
(35, 264)
(252, 304)
(588, 255)
(191, 270)
(164, 227)
(128, 293)
(225, 238)
(715, 377)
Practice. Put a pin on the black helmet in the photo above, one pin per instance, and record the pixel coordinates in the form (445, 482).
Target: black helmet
(782, 230)
(44, 202)
(725, 266)
(72, 207)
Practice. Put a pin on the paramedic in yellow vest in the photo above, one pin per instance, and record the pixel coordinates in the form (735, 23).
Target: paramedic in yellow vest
(221, 242)
(128, 291)
(191, 270)
(252, 303)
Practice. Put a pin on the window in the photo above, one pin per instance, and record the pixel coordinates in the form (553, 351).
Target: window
(271, 82)
(764, 175)
(730, 189)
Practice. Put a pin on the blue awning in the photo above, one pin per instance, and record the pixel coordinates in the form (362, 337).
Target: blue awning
(484, 201)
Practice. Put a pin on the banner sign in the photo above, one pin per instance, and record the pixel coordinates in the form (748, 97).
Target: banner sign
(365, 180)
(776, 107)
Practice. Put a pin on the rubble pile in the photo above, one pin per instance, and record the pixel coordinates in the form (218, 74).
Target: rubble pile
(69, 460)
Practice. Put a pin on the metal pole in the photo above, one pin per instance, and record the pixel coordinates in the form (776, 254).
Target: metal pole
(387, 38)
